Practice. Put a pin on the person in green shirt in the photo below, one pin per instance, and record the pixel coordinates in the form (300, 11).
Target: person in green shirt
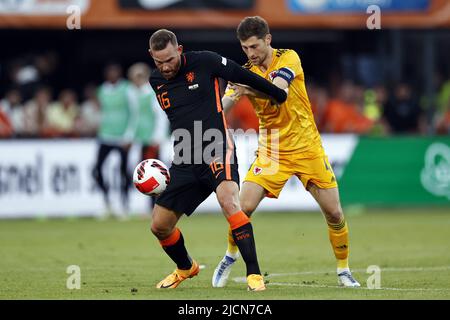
(116, 132)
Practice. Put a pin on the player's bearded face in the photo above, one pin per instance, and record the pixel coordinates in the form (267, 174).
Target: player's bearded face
(168, 60)
(256, 49)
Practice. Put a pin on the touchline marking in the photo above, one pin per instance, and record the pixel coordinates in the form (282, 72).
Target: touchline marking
(273, 275)
(389, 269)
(360, 288)
(442, 268)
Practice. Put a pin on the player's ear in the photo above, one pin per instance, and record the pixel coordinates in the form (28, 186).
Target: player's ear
(150, 52)
(180, 49)
(268, 39)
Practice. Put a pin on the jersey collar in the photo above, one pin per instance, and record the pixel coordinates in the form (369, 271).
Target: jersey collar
(272, 64)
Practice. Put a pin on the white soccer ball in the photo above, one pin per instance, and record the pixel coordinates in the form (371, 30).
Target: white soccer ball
(151, 177)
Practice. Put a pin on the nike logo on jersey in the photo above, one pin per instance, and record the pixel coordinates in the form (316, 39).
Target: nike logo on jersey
(159, 87)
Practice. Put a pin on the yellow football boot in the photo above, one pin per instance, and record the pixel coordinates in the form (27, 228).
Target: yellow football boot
(255, 282)
(175, 278)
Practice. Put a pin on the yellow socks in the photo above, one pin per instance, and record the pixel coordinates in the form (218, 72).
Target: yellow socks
(338, 233)
(232, 249)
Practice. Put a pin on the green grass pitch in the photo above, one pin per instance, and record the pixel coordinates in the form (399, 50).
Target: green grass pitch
(122, 260)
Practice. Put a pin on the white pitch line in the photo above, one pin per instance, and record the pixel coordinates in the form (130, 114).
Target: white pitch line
(360, 288)
(389, 269)
(392, 269)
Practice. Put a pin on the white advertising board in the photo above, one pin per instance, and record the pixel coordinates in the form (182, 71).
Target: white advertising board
(53, 178)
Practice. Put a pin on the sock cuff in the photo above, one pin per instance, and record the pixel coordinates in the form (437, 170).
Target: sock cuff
(238, 220)
(172, 239)
(340, 226)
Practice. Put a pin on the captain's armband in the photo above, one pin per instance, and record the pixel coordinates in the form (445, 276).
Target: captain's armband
(284, 73)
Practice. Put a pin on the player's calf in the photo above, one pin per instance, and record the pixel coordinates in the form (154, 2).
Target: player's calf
(242, 232)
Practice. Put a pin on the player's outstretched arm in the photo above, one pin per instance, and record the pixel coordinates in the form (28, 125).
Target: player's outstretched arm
(241, 75)
(231, 71)
(244, 90)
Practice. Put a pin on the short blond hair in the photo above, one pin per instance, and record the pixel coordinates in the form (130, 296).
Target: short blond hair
(160, 39)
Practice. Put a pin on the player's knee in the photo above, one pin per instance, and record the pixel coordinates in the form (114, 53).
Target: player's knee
(334, 216)
(228, 204)
(160, 232)
(248, 207)
(230, 207)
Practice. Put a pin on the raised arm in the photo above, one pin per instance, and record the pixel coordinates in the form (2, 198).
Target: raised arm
(231, 71)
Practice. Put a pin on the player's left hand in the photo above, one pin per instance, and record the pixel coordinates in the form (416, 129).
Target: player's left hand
(241, 90)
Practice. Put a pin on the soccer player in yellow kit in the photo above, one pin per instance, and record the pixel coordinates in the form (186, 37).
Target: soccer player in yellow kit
(289, 144)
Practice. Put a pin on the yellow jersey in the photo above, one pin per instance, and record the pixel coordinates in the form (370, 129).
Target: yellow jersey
(289, 128)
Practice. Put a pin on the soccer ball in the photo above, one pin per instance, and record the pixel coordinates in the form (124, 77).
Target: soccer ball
(151, 177)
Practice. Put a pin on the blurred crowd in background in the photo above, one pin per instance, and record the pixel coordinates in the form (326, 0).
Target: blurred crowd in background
(31, 107)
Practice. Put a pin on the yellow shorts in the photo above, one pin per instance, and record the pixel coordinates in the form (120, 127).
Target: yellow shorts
(272, 175)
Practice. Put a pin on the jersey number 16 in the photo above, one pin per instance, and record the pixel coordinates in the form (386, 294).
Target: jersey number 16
(164, 102)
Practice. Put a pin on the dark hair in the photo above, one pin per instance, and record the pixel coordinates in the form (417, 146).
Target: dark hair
(252, 26)
(160, 39)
